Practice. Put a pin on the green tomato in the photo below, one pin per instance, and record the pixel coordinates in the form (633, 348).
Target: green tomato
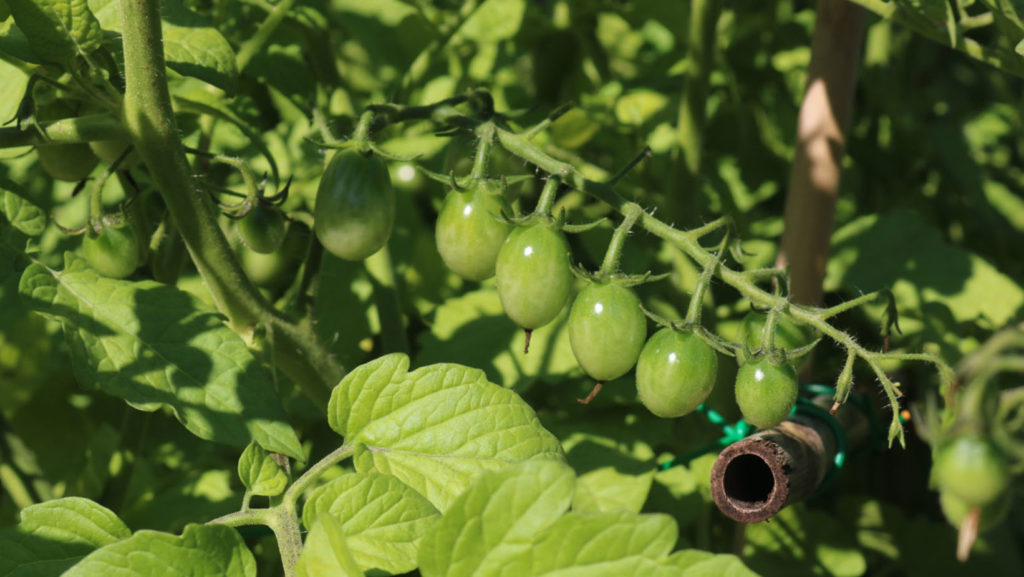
(766, 392)
(533, 275)
(468, 236)
(675, 373)
(972, 469)
(992, 514)
(262, 230)
(607, 329)
(71, 162)
(114, 252)
(788, 335)
(355, 205)
(110, 150)
(274, 270)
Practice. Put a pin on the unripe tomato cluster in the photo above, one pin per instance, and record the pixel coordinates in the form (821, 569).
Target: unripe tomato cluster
(675, 370)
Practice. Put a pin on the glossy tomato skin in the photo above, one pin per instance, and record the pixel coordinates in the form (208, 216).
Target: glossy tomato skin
(972, 469)
(262, 230)
(468, 235)
(533, 275)
(114, 252)
(355, 205)
(607, 329)
(766, 392)
(675, 373)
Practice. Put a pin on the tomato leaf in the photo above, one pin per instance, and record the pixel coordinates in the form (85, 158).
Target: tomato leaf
(435, 428)
(326, 551)
(513, 522)
(154, 345)
(260, 473)
(57, 30)
(54, 535)
(384, 519)
(698, 563)
(192, 44)
(201, 550)
(518, 503)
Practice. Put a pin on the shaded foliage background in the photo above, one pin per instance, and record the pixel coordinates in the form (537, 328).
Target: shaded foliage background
(930, 205)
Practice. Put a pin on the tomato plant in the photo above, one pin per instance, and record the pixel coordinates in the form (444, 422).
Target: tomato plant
(468, 232)
(113, 251)
(991, 514)
(607, 330)
(262, 230)
(533, 275)
(971, 469)
(355, 205)
(675, 373)
(766, 391)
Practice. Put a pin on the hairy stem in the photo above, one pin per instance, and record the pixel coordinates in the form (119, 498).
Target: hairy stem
(310, 475)
(150, 122)
(613, 255)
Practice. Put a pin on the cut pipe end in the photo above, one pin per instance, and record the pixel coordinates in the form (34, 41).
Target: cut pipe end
(749, 481)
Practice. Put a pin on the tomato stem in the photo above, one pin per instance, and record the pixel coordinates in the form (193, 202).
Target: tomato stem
(548, 195)
(612, 256)
(483, 151)
(150, 122)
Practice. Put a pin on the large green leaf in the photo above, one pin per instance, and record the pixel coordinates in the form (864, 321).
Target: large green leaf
(384, 519)
(192, 44)
(154, 345)
(435, 428)
(54, 535)
(202, 550)
(696, 563)
(605, 544)
(903, 251)
(57, 30)
(610, 478)
(496, 520)
(513, 523)
(326, 551)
